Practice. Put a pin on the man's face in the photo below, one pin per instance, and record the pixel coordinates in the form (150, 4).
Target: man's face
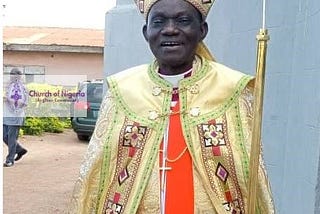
(174, 28)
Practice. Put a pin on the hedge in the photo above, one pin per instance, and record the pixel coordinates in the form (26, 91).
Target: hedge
(38, 125)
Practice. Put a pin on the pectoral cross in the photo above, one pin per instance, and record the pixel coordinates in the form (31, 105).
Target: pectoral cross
(165, 168)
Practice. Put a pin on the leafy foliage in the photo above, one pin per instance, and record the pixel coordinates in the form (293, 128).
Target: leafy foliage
(33, 126)
(38, 125)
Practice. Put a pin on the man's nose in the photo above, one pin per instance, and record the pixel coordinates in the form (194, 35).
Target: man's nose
(170, 27)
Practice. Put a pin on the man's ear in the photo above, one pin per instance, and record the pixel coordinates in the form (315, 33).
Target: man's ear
(145, 33)
(204, 30)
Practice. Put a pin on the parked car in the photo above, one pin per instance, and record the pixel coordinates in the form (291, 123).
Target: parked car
(84, 111)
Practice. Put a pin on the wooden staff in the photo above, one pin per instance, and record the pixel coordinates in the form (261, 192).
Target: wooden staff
(262, 39)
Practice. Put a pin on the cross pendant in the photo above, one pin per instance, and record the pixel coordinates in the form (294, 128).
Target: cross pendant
(165, 168)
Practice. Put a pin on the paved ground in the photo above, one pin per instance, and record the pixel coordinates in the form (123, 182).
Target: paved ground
(42, 181)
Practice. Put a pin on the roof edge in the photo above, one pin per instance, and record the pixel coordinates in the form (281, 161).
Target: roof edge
(52, 48)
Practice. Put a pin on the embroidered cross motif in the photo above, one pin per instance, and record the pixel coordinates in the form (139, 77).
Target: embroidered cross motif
(131, 143)
(113, 207)
(213, 134)
(134, 135)
(233, 207)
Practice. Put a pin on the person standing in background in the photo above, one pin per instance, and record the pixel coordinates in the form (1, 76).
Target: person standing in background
(14, 103)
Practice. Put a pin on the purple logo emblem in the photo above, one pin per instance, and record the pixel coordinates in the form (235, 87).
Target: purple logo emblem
(16, 95)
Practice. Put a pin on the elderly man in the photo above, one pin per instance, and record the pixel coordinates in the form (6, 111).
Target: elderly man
(173, 136)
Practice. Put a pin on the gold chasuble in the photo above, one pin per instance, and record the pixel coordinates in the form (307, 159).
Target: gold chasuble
(121, 172)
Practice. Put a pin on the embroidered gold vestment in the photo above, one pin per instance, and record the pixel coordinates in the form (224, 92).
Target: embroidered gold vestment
(120, 173)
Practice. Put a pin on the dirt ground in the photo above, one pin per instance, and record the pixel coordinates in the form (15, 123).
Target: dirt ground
(42, 181)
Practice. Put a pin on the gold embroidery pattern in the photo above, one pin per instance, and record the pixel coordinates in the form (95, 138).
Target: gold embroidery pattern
(134, 135)
(213, 135)
(101, 127)
(132, 140)
(150, 202)
(219, 163)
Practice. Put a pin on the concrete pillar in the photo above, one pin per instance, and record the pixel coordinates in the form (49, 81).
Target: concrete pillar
(124, 43)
